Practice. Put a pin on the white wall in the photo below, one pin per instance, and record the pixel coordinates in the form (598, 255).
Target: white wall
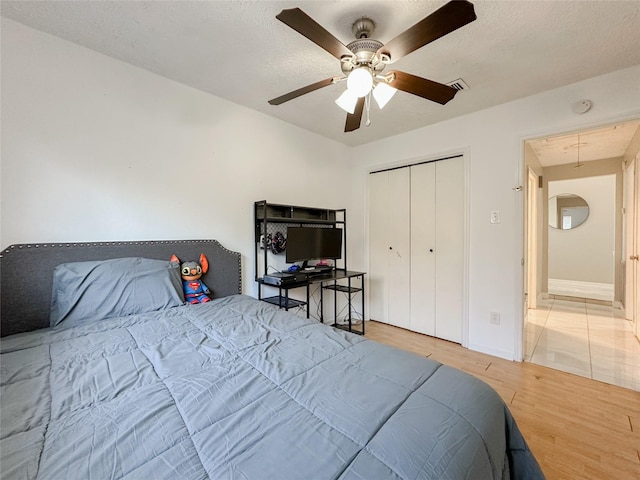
(494, 141)
(585, 253)
(95, 149)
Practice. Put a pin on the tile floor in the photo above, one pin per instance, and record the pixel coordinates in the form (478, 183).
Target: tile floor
(587, 339)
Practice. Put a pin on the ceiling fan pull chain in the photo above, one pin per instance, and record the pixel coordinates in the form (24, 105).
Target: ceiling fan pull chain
(367, 101)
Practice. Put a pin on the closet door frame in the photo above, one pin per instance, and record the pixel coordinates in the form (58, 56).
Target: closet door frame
(465, 154)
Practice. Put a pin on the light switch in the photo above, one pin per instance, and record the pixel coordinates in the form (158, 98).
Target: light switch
(495, 216)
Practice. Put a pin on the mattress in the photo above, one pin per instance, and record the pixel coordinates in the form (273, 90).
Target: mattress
(237, 389)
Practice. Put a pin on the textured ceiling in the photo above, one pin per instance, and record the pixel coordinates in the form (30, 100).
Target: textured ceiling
(610, 141)
(237, 50)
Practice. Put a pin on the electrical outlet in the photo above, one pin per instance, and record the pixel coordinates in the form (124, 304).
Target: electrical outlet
(495, 216)
(494, 317)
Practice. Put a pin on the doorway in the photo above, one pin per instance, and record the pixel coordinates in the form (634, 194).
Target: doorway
(631, 239)
(574, 318)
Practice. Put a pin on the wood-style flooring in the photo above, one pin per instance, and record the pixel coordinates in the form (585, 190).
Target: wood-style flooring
(577, 428)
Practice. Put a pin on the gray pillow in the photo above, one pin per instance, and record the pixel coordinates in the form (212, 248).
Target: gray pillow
(86, 292)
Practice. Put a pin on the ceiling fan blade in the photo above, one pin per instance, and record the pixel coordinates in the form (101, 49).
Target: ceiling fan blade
(308, 27)
(446, 19)
(301, 91)
(354, 119)
(434, 91)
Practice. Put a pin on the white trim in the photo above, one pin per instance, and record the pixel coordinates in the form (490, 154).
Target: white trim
(467, 245)
(575, 288)
(493, 351)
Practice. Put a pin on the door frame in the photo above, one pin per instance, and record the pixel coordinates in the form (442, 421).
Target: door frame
(636, 240)
(532, 239)
(632, 243)
(521, 179)
(530, 259)
(630, 232)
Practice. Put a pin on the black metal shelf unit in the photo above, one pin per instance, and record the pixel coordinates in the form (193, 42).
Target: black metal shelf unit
(269, 217)
(349, 290)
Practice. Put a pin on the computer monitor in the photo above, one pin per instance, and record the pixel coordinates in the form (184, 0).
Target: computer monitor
(313, 243)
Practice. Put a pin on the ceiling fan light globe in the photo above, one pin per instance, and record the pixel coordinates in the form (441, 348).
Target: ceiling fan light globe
(383, 93)
(360, 81)
(347, 101)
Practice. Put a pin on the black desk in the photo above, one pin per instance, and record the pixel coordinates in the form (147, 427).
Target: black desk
(328, 281)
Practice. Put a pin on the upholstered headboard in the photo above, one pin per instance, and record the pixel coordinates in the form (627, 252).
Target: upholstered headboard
(26, 273)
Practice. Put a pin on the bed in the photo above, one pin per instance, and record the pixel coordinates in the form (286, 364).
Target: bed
(229, 389)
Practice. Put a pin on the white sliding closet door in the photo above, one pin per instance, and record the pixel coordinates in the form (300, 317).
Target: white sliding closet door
(416, 247)
(389, 242)
(399, 248)
(449, 269)
(378, 245)
(423, 245)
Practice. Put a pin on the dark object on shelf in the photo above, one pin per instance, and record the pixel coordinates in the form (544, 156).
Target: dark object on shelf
(279, 278)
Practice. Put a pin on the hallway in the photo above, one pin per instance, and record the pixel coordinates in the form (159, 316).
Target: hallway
(583, 338)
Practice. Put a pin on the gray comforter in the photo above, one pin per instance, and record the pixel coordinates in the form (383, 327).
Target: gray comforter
(238, 389)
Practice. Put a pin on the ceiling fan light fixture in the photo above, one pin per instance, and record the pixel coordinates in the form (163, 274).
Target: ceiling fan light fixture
(360, 81)
(347, 101)
(383, 93)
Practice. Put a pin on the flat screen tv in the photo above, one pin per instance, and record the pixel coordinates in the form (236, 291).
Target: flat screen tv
(313, 243)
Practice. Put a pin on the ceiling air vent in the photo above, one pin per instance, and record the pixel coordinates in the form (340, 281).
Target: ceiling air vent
(459, 84)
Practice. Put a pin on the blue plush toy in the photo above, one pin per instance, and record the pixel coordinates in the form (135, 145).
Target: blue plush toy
(195, 290)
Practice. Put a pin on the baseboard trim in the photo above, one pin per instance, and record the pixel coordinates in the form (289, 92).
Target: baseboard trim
(574, 288)
(492, 351)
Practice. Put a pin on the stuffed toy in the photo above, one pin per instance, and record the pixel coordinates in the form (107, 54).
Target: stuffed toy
(195, 291)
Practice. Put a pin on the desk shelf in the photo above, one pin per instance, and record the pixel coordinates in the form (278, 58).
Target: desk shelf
(347, 328)
(342, 288)
(281, 301)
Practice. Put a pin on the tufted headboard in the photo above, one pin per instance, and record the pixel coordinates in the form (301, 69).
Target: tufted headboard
(26, 273)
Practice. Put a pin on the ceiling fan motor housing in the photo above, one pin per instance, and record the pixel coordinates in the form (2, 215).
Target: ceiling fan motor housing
(364, 48)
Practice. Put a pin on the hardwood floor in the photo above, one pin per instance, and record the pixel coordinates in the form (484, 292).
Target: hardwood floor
(577, 428)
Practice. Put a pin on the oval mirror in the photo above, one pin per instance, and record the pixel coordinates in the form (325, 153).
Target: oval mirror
(567, 211)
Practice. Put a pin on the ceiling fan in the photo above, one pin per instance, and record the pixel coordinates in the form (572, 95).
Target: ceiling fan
(364, 60)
